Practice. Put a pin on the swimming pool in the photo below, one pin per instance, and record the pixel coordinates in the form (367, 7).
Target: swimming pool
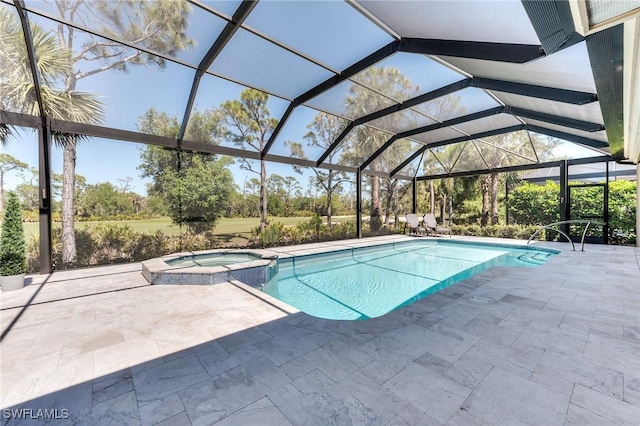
(369, 282)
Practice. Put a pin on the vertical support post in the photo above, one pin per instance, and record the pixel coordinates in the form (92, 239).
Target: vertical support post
(638, 205)
(605, 208)
(358, 202)
(414, 196)
(44, 194)
(564, 196)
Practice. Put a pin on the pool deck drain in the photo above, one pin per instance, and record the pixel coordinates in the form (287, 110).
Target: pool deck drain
(480, 299)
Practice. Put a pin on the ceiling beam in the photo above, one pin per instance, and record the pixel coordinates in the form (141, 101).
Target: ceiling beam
(606, 54)
(453, 121)
(552, 21)
(331, 82)
(420, 99)
(224, 37)
(349, 72)
(335, 143)
(378, 152)
(446, 123)
(593, 143)
(541, 92)
(486, 134)
(555, 119)
(493, 170)
(31, 56)
(276, 131)
(556, 163)
(499, 52)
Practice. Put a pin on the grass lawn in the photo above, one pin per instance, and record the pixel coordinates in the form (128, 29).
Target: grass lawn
(227, 228)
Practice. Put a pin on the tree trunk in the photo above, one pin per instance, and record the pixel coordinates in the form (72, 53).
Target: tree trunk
(329, 197)
(69, 256)
(387, 207)
(263, 196)
(484, 189)
(494, 198)
(432, 198)
(443, 208)
(375, 222)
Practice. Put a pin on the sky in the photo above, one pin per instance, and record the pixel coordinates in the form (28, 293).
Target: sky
(126, 95)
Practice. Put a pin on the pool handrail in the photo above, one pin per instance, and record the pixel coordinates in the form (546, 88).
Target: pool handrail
(565, 222)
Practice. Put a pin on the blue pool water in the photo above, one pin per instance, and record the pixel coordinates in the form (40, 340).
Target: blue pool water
(213, 259)
(369, 282)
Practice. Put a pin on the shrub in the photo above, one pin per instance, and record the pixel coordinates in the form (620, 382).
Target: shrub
(314, 230)
(497, 231)
(12, 244)
(112, 243)
(531, 204)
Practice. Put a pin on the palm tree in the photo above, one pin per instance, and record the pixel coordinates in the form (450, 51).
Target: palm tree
(158, 25)
(53, 62)
(5, 134)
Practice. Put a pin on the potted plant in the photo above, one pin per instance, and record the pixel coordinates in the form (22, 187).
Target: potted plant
(13, 261)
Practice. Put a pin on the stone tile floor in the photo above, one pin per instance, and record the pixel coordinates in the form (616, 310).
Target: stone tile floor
(560, 344)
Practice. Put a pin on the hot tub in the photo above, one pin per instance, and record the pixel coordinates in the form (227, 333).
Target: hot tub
(210, 267)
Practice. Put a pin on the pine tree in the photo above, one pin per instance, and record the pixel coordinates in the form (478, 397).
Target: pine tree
(12, 246)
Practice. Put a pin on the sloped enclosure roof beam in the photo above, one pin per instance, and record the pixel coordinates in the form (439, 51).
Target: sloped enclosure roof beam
(456, 140)
(276, 131)
(443, 91)
(593, 143)
(555, 119)
(530, 90)
(557, 163)
(550, 93)
(500, 52)
(494, 170)
(425, 97)
(503, 52)
(447, 123)
(379, 151)
(349, 72)
(335, 143)
(606, 54)
(553, 23)
(453, 121)
(228, 31)
(31, 54)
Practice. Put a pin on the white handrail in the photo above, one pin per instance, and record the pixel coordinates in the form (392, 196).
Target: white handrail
(564, 222)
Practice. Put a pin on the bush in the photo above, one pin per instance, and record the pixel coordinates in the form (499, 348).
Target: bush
(111, 243)
(531, 204)
(314, 230)
(520, 232)
(12, 244)
(622, 212)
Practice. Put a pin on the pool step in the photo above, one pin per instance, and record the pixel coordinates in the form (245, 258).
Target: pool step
(534, 258)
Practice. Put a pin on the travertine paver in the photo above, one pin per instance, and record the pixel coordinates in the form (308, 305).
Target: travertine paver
(558, 345)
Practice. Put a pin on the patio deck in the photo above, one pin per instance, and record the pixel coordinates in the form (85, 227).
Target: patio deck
(559, 344)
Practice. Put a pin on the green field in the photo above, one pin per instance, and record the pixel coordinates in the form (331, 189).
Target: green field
(228, 227)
